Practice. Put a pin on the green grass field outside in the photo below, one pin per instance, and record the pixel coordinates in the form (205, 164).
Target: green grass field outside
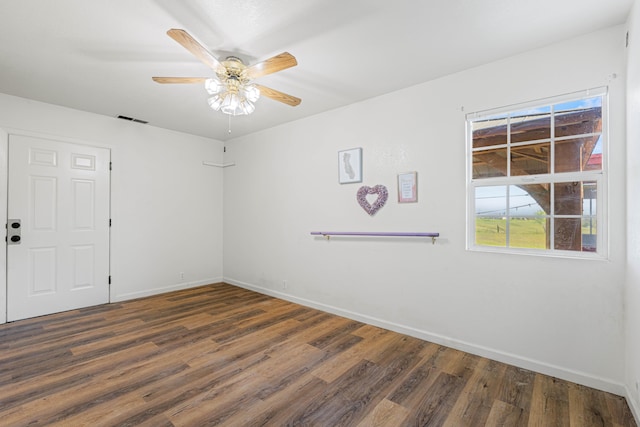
(523, 233)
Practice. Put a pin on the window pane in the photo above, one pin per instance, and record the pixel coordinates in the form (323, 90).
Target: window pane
(530, 159)
(491, 231)
(576, 234)
(575, 155)
(491, 201)
(528, 232)
(490, 163)
(568, 234)
(490, 131)
(528, 225)
(490, 222)
(589, 193)
(589, 234)
(531, 125)
(595, 159)
(578, 117)
(529, 200)
(575, 198)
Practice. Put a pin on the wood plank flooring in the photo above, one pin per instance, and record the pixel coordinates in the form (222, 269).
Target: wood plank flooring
(221, 355)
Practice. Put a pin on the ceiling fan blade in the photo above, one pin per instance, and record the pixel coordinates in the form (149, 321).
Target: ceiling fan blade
(277, 63)
(179, 79)
(189, 43)
(279, 96)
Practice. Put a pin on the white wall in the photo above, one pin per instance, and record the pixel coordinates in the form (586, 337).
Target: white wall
(166, 206)
(559, 316)
(632, 296)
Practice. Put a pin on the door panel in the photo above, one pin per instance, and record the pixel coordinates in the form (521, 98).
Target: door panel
(60, 192)
(44, 199)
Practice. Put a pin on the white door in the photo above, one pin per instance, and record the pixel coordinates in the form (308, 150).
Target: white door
(58, 207)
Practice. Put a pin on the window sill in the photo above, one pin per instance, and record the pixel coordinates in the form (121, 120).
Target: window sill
(591, 256)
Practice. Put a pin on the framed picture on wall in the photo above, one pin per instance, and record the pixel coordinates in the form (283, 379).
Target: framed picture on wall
(408, 187)
(350, 166)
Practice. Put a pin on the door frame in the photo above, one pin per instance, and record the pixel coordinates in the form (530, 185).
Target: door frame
(4, 194)
(5, 132)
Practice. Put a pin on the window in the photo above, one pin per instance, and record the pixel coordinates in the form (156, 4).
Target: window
(536, 177)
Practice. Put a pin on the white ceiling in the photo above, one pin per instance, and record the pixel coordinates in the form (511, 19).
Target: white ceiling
(100, 55)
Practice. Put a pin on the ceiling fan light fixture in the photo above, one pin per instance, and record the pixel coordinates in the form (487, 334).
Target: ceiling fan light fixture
(251, 93)
(246, 107)
(215, 101)
(230, 104)
(232, 89)
(213, 86)
(232, 96)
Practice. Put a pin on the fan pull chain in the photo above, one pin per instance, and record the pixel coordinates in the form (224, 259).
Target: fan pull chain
(229, 123)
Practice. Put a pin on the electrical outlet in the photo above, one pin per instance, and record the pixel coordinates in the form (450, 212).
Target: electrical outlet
(181, 275)
(637, 386)
(284, 284)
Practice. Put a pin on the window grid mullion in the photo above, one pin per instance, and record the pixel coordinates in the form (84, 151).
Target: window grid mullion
(509, 145)
(507, 225)
(552, 187)
(552, 217)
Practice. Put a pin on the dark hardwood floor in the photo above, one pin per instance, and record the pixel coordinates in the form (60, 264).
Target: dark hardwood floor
(221, 355)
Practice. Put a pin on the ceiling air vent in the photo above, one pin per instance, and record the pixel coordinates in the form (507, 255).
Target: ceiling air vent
(131, 119)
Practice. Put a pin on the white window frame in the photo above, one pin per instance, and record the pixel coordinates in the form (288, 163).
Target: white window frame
(599, 176)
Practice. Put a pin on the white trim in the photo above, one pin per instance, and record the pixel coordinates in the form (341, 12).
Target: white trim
(533, 142)
(543, 102)
(555, 253)
(633, 405)
(218, 165)
(544, 178)
(4, 162)
(56, 137)
(567, 374)
(165, 289)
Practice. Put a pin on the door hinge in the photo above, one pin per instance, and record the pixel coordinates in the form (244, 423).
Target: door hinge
(109, 279)
(626, 43)
(109, 222)
(110, 165)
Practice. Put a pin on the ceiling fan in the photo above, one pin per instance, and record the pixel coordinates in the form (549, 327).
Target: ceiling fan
(232, 89)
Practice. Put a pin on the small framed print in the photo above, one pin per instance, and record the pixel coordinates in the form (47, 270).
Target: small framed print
(350, 166)
(408, 187)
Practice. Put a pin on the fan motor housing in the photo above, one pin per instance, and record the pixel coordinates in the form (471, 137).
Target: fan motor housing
(234, 69)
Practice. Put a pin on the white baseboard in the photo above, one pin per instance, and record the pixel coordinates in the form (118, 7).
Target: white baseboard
(567, 374)
(162, 290)
(634, 405)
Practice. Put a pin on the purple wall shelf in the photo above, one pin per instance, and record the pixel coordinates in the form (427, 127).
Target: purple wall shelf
(328, 234)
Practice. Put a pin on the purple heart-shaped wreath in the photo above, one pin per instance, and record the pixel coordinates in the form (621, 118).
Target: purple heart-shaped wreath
(382, 193)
